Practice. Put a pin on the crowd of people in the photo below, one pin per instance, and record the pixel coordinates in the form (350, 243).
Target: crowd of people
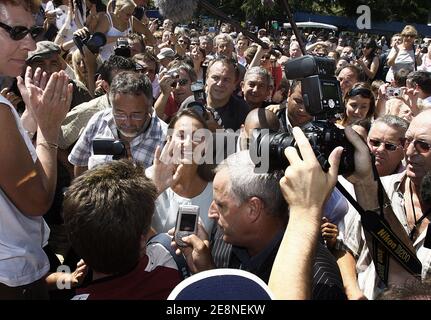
(112, 121)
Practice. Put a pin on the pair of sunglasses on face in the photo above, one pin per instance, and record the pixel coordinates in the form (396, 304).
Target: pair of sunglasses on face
(20, 32)
(420, 146)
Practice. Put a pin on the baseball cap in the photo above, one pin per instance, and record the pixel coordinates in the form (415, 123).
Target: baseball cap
(222, 284)
(43, 49)
(166, 53)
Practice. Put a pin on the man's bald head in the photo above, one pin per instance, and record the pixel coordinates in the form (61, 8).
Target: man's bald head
(261, 119)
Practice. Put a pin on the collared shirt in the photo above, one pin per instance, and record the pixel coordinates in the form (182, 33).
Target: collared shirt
(102, 125)
(354, 240)
(77, 119)
(392, 186)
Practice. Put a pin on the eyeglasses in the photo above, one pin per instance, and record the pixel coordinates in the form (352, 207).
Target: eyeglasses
(409, 36)
(388, 146)
(133, 116)
(19, 32)
(420, 146)
(266, 57)
(181, 82)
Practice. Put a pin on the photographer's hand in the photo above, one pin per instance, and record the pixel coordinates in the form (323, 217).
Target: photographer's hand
(305, 185)
(362, 178)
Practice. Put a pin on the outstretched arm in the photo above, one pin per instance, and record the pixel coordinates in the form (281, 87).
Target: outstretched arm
(305, 187)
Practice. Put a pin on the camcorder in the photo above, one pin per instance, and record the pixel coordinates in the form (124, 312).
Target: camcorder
(322, 97)
(93, 42)
(122, 48)
(113, 147)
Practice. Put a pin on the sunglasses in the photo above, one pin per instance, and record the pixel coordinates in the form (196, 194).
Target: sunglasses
(364, 92)
(388, 146)
(19, 32)
(420, 146)
(181, 82)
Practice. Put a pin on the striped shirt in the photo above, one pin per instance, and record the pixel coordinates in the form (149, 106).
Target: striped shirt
(102, 125)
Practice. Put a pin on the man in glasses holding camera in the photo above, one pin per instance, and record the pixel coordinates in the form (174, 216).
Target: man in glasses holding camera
(130, 120)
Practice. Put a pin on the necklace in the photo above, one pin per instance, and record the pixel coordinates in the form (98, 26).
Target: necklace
(417, 222)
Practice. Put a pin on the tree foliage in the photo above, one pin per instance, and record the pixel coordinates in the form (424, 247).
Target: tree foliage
(412, 11)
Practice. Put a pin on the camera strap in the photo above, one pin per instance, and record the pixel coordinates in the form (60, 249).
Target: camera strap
(384, 240)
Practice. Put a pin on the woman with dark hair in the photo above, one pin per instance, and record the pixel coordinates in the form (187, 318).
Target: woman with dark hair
(369, 62)
(360, 104)
(198, 56)
(181, 163)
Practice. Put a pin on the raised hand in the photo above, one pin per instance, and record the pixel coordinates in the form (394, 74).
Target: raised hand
(166, 173)
(329, 232)
(305, 185)
(49, 101)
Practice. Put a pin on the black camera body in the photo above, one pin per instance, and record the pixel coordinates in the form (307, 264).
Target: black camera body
(122, 48)
(321, 91)
(322, 136)
(93, 42)
(322, 97)
(116, 148)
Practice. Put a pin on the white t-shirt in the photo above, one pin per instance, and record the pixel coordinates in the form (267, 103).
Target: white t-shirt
(22, 259)
(167, 205)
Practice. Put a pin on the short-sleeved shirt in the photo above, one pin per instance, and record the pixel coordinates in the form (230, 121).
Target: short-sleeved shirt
(102, 125)
(77, 118)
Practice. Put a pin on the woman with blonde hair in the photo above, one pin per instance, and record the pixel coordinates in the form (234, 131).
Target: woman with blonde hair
(404, 55)
(117, 23)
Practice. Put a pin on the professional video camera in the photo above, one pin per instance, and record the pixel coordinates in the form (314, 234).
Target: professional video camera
(122, 48)
(322, 97)
(112, 147)
(93, 42)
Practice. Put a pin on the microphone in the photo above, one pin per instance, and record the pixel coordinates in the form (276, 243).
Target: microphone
(176, 10)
